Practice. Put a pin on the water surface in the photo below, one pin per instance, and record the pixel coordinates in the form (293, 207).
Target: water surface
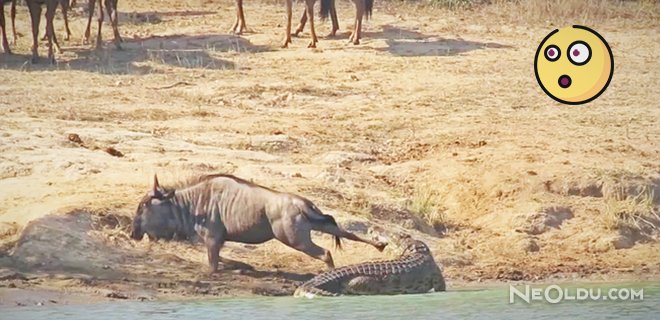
(489, 303)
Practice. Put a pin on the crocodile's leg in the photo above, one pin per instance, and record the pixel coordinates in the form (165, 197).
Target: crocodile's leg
(364, 285)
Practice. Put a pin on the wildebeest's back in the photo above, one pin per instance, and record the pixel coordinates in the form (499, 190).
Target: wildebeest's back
(246, 209)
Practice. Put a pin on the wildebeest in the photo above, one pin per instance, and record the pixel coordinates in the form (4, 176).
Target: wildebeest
(3, 25)
(222, 208)
(111, 8)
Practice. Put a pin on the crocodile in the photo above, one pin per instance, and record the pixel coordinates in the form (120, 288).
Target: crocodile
(415, 271)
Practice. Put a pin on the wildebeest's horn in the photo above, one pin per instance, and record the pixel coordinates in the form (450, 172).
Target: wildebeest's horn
(156, 185)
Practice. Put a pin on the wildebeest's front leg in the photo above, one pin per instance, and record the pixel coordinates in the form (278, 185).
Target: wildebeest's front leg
(213, 246)
(239, 25)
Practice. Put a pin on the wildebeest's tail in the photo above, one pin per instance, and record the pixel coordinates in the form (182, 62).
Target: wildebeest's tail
(325, 8)
(315, 216)
(369, 7)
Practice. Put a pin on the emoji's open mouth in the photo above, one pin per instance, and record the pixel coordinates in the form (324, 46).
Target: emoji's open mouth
(565, 81)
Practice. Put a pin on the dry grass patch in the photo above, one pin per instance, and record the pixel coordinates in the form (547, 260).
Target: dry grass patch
(634, 213)
(569, 12)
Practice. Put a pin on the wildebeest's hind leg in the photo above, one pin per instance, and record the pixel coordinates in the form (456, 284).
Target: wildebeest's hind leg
(303, 21)
(339, 232)
(328, 8)
(296, 234)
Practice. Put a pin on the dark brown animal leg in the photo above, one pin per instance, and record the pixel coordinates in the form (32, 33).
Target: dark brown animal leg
(5, 43)
(335, 21)
(35, 17)
(301, 26)
(65, 15)
(310, 15)
(287, 35)
(50, 30)
(90, 7)
(99, 37)
(111, 8)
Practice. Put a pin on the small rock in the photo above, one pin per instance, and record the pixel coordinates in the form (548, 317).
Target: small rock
(622, 242)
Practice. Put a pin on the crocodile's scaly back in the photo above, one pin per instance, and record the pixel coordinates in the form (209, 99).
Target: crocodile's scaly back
(415, 271)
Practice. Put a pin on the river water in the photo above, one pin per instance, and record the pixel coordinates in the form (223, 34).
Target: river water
(488, 303)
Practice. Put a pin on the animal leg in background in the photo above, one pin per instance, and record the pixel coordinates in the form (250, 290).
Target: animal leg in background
(3, 26)
(333, 14)
(239, 25)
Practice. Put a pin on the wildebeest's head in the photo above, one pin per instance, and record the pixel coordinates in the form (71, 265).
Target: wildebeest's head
(155, 214)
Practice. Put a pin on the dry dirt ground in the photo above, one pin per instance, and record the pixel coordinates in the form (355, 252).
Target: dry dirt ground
(434, 124)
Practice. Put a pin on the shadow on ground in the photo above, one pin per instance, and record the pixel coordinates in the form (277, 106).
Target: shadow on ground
(410, 43)
(140, 56)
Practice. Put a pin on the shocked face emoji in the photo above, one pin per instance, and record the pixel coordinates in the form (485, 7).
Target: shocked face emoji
(574, 65)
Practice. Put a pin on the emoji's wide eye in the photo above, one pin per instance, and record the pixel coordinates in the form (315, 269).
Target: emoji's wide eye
(579, 53)
(552, 52)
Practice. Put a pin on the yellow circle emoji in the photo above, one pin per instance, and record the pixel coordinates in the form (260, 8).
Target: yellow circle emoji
(574, 65)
